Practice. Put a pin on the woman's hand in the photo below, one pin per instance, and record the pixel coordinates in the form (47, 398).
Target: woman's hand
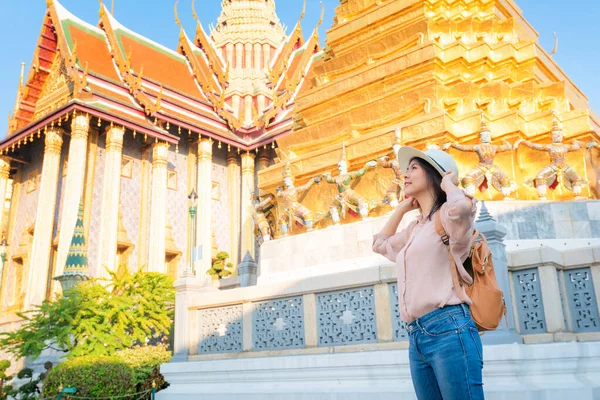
(407, 205)
(449, 182)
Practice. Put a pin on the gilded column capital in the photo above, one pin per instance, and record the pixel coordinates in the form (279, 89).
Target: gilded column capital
(248, 163)
(232, 158)
(80, 126)
(114, 138)
(4, 167)
(53, 141)
(205, 150)
(160, 153)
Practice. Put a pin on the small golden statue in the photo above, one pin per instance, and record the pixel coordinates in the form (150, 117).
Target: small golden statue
(347, 198)
(259, 211)
(485, 172)
(395, 191)
(290, 209)
(558, 171)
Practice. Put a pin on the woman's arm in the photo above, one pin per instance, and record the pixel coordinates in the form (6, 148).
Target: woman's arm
(389, 243)
(458, 214)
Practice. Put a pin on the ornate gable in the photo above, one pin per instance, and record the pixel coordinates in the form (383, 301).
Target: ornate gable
(56, 91)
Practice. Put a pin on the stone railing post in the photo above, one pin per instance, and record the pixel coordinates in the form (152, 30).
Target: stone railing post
(247, 271)
(185, 288)
(495, 233)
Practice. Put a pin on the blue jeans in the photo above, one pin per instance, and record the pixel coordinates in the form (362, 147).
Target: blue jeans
(446, 355)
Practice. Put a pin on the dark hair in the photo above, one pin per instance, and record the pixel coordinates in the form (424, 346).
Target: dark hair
(435, 179)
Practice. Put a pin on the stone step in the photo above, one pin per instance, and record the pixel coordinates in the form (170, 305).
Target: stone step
(513, 371)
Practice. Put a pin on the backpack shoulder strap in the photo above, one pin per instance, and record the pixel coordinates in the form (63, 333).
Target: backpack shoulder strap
(439, 228)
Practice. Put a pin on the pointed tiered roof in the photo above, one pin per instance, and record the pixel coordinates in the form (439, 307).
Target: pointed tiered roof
(120, 76)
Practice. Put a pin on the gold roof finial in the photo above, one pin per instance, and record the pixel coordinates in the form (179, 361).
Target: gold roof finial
(176, 14)
(322, 14)
(194, 12)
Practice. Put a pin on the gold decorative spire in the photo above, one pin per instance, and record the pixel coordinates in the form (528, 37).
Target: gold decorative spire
(287, 171)
(248, 21)
(484, 127)
(20, 89)
(556, 125)
(344, 158)
(398, 136)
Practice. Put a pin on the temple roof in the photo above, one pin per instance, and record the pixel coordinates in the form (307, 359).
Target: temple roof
(248, 21)
(118, 75)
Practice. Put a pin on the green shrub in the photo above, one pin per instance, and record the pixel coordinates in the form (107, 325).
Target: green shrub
(92, 376)
(145, 362)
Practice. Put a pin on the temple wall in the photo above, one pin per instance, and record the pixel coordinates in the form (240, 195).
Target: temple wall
(130, 196)
(220, 207)
(177, 201)
(23, 213)
(94, 229)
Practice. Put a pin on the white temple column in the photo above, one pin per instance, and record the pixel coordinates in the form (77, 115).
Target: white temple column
(233, 183)
(204, 215)
(247, 190)
(260, 99)
(257, 56)
(267, 54)
(111, 189)
(235, 104)
(248, 51)
(239, 54)
(248, 109)
(158, 208)
(44, 220)
(80, 125)
(229, 53)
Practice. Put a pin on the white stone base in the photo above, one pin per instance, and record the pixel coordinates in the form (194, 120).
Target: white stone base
(511, 372)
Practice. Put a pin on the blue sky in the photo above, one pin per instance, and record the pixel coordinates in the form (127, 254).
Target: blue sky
(576, 24)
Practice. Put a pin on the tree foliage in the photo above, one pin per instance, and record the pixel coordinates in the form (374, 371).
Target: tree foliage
(29, 385)
(220, 268)
(92, 376)
(145, 362)
(96, 318)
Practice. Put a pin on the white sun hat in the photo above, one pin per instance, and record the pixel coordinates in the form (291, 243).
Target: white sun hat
(440, 160)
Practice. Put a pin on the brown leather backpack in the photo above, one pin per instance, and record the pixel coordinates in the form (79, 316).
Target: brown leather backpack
(488, 304)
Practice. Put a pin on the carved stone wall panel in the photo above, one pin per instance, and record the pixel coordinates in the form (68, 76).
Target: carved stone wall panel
(177, 201)
(278, 324)
(346, 317)
(581, 299)
(220, 330)
(130, 197)
(220, 208)
(95, 218)
(528, 298)
(25, 212)
(398, 326)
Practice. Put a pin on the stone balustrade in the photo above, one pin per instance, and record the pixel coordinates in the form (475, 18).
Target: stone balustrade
(555, 293)
(349, 300)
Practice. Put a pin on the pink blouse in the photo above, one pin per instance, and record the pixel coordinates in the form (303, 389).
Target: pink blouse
(423, 269)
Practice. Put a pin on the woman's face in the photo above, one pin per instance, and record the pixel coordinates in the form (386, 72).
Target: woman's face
(415, 180)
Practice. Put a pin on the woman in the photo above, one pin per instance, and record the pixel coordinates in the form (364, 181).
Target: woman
(445, 351)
